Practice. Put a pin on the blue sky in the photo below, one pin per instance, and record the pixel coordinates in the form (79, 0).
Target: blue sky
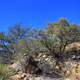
(37, 13)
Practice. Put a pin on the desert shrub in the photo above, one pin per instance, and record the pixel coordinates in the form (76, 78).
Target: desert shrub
(3, 72)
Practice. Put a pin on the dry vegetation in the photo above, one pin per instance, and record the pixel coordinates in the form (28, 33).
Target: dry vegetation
(49, 54)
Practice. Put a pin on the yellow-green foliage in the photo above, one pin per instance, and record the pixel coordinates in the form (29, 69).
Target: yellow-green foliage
(3, 72)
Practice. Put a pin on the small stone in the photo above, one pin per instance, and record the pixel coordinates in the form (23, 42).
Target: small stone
(23, 75)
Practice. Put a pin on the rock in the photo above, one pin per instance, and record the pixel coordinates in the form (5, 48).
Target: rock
(73, 46)
(23, 75)
(16, 66)
(20, 76)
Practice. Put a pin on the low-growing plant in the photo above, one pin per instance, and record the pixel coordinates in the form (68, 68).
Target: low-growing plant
(3, 71)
